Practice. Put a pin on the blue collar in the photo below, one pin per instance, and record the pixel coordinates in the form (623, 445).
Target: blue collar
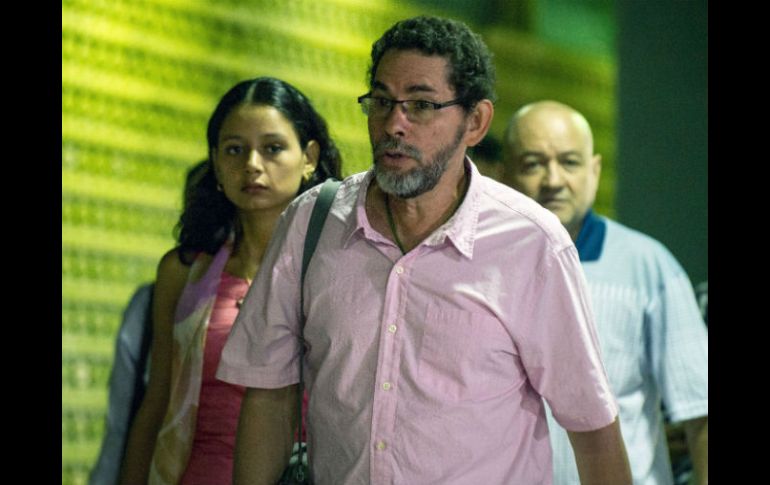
(591, 238)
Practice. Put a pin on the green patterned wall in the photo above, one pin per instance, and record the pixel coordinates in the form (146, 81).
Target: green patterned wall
(139, 80)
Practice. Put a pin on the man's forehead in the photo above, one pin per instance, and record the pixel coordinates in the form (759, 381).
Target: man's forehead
(411, 71)
(544, 143)
(556, 126)
(541, 152)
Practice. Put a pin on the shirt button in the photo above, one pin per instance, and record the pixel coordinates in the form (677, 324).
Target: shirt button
(380, 445)
(386, 386)
(399, 269)
(392, 328)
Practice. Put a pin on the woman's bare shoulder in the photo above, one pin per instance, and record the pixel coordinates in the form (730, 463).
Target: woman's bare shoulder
(171, 269)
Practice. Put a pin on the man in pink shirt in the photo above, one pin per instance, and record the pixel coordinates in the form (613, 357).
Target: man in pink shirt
(441, 306)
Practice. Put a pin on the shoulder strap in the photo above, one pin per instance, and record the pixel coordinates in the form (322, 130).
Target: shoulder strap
(316, 224)
(314, 227)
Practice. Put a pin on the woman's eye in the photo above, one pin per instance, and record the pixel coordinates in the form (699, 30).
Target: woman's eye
(233, 150)
(274, 149)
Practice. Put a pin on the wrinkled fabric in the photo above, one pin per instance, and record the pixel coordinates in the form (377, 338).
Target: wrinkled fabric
(175, 438)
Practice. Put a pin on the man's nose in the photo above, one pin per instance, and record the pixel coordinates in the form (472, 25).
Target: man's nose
(554, 175)
(396, 121)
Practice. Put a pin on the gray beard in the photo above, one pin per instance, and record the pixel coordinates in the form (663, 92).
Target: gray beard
(420, 179)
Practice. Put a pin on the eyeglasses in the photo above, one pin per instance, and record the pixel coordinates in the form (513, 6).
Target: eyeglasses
(417, 110)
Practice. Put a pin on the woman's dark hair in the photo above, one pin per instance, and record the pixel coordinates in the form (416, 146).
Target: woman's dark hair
(208, 216)
(471, 71)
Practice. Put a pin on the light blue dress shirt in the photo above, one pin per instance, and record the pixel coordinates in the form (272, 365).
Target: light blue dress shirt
(653, 340)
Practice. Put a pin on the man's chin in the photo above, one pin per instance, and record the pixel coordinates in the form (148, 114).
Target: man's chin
(559, 206)
(561, 210)
(406, 184)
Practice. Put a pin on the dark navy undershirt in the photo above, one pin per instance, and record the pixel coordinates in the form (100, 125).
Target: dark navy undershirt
(591, 237)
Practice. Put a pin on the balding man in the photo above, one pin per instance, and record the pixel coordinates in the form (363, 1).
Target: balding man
(653, 341)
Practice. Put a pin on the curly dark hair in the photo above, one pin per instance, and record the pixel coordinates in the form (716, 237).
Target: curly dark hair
(208, 216)
(472, 73)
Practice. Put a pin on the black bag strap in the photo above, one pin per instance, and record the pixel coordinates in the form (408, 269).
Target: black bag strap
(317, 219)
(314, 227)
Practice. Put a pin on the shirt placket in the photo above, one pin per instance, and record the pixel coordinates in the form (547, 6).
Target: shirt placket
(386, 387)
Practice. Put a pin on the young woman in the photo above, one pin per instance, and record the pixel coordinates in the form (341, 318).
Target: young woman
(266, 145)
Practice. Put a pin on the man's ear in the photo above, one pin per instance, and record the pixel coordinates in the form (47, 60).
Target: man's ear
(479, 120)
(597, 168)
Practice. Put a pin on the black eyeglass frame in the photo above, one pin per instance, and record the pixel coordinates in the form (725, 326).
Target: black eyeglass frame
(435, 106)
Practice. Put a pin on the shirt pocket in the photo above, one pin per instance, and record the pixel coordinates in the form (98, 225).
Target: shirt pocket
(462, 355)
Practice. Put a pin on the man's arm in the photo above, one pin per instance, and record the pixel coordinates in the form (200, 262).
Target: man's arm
(601, 456)
(697, 431)
(265, 435)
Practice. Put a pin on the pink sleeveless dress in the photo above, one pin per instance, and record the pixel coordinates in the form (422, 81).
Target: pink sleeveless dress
(211, 458)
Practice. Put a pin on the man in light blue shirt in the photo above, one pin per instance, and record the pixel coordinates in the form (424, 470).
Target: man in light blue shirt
(653, 340)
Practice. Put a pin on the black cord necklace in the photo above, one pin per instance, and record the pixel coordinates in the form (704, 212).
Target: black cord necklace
(392, 223)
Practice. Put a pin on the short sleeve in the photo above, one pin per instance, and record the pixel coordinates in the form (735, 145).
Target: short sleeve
(263, 347)
(560, 349)
(678, 346)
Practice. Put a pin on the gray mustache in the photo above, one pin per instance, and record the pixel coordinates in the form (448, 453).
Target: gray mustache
(392, 144)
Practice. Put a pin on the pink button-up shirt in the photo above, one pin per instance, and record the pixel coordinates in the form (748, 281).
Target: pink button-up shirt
(429, 367)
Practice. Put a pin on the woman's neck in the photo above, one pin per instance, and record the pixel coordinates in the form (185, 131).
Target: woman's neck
(256, 229)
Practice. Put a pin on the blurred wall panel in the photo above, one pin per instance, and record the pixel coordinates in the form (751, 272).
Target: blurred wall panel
(663, 126)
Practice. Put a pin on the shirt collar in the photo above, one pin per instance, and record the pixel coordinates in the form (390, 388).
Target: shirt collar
(460, 229)
(590, 240)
